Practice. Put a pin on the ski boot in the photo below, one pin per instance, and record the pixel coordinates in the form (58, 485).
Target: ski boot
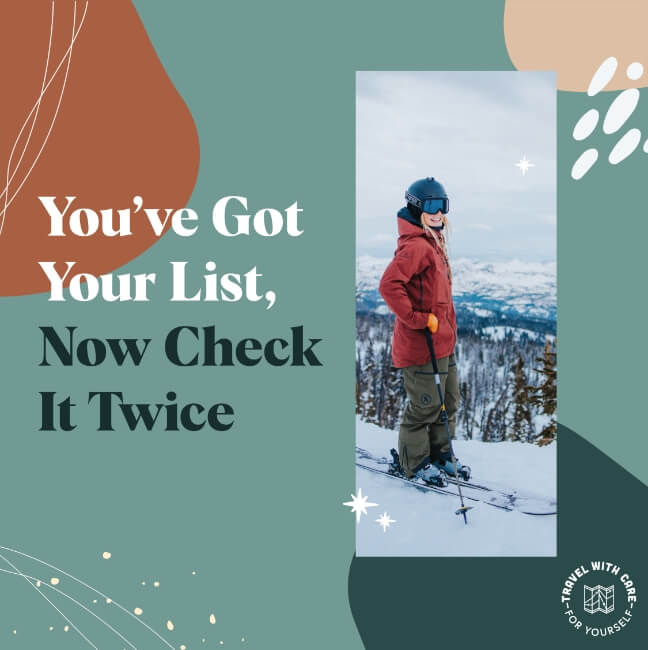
(444, 463)
(430, 475)
(395, 467)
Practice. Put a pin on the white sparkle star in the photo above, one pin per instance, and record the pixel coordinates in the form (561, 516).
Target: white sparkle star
(359, 505)
(385, 521)
(524, 165)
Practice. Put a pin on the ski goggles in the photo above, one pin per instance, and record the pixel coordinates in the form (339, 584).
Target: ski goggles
(432, 206)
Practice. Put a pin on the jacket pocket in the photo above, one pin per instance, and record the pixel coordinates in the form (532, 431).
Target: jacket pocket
(440, 310)
(448, 319)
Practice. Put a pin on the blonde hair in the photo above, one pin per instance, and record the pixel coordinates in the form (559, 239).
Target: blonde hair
(440, 238)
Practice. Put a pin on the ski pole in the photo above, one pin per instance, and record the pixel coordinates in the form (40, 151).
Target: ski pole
(444, 418)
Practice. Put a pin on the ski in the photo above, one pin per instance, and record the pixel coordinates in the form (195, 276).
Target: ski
(503, 499)
(433, 488)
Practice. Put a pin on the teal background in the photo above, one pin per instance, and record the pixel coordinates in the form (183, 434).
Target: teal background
(256, 512)
(602, 230)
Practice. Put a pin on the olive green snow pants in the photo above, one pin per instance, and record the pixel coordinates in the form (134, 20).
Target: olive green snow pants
(422, 435)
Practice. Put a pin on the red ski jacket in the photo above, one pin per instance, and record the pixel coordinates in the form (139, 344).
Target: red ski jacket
(415, 284)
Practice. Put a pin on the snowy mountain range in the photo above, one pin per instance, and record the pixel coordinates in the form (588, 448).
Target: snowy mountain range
(489, 292)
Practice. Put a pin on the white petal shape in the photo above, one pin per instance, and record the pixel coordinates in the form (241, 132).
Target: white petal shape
(602, 76)
(625, 146)
(634, 71)
(586, 124)
(584, 163)
(645, 147)
(620, 110)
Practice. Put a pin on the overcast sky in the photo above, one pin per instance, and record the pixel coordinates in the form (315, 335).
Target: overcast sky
(467, 129)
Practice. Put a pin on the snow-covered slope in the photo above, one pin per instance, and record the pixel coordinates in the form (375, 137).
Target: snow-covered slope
(425, 523)
(510, 288)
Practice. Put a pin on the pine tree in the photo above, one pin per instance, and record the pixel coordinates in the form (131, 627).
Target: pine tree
(465, 410)
(358, 383)
(390, 415)
(521, 425)
(495, 426)
(544, 395)
(369, 396)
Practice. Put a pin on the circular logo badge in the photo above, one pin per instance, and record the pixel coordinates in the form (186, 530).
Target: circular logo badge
(599, 598)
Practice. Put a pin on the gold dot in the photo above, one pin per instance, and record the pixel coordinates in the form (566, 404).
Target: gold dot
(38, 583)
(51, 627)
(170, 625)
(156, 584)
(108, 601)
(54, 581)
(212, 619)
(138, 611)
(66, 628)
(106, 555)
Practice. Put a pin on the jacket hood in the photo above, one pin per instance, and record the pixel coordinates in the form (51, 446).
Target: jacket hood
(407, 225)
(405, 214)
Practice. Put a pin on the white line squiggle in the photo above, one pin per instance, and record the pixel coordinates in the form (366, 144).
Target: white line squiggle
(33, 124)
(76, 602)
(51, 79)
(68, 56)
(96, 591)
(19, 572)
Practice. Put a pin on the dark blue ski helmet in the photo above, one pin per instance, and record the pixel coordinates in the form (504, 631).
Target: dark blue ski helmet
(428, 196)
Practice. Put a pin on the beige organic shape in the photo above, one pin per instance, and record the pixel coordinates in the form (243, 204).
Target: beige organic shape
(573, 37)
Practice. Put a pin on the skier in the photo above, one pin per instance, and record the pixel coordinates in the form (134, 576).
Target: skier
(417, 288)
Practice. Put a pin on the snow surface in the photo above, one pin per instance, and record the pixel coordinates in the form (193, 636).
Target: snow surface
(425, 522)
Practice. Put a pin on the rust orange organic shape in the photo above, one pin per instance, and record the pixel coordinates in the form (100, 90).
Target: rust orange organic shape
(574, 37)
(110, 125)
